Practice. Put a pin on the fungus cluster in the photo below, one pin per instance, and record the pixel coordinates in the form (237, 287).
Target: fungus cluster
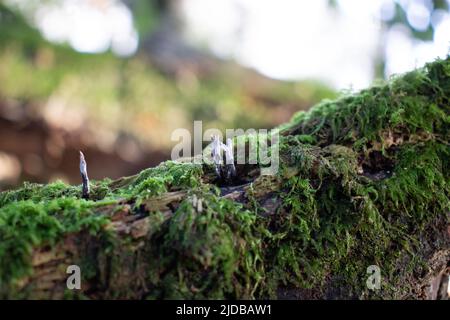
(227, 170)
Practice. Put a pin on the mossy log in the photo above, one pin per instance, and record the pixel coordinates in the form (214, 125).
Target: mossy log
(364, 180)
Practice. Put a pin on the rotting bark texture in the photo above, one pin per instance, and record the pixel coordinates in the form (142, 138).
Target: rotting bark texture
(363, 180)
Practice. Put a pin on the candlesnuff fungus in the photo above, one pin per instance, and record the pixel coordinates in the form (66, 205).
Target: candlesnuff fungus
(216, 154)
(228, 171)
(84, 176)
(230, 168)
(311, 231)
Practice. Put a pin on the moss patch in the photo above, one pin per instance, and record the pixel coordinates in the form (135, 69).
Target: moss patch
(364, 180)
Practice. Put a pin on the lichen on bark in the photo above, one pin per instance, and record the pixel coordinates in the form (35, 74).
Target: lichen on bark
(363, 180)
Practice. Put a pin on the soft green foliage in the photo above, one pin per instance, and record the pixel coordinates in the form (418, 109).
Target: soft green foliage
(365, 221)
(416, 101)
(207, 252)
(25, 225)
(38, 192)
(363, 180)
(356, 222)
(167, 176)
(39, 215)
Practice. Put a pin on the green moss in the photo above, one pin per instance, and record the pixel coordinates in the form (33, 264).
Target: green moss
(207, 252)
(38, 192)
(25, 225)
(40, 215)
(416, 101)
(352, 221)
(168, 176)
(363, 180)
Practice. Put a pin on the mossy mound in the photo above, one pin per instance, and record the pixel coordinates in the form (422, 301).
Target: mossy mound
(364, 180)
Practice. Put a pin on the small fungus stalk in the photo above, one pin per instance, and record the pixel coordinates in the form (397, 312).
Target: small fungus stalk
(361, 199)
(84, 177)
(230, 168)
(216, 154)
(225, 171)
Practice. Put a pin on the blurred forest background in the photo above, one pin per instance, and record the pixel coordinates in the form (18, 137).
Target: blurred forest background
(115, 78)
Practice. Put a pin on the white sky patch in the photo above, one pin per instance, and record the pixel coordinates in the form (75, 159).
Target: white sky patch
(87, 25)
(387, 10)
(441, 39)
(291, 39)
(399, 45)
(124, 38)
(283, 39)
(404, 53)
(221, 20)
(438, 17)
(418, 16)
(297, 39)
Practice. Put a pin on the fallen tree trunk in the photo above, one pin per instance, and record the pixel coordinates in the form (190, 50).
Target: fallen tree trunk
(363, 186)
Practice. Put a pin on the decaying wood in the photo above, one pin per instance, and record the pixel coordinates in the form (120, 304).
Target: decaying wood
(49, 277)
